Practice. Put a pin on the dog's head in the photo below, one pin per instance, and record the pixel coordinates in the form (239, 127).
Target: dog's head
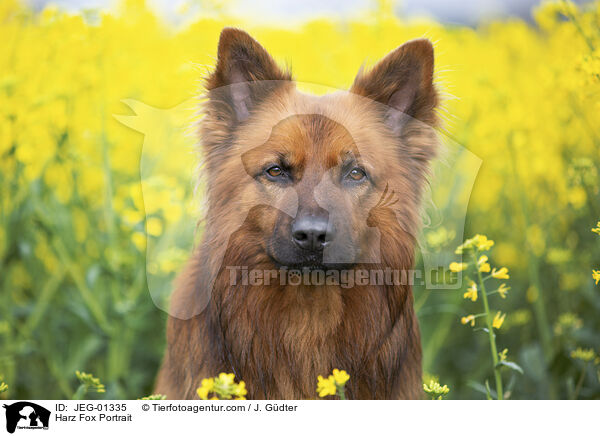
(320, 181)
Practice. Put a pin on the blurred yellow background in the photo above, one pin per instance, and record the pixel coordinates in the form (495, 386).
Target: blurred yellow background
(524, 97)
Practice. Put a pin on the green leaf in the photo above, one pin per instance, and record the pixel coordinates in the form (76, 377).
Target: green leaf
(487, 390)
(511, 365)
(490, 395)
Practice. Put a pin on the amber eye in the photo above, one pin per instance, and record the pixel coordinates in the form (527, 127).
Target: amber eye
(357, 174)
(275, 171)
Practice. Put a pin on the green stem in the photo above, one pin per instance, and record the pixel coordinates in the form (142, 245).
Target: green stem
(87, 295)
(577, 25)
(341, 392)
(580, 382)
(492, 336)
(539, 308)
(80, 393)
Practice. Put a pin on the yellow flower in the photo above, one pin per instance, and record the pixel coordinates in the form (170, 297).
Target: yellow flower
(154, 397)
(139, 240)
(471, 292)
(434, 389)
(587, 354)
(326, 386)
(596, 275)
(464, 246)
(468, 319)
(132, 216)
(202, 393)
(567, 321)
(483, 264)
(333, 384)
(59, 177)
(502, 273)
(458, 266)
(498, 320)
(502, 355)
(340, 377)
(154, 226)
(90, 382)
(240, 391)
(480, 242)
(597, 228)
(222, 387)
(483, 243)
(226, 379)
(207, 386)
(502, 290)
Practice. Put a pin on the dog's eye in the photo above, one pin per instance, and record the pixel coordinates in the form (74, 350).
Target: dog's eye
(356, 174)
(274, 171)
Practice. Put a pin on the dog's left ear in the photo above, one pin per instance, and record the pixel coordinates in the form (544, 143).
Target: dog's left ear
(403, 80)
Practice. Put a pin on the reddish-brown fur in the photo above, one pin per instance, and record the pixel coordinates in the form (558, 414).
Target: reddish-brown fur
(278, 339)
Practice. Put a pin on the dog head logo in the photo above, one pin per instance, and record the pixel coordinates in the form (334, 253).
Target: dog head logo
(26, 415)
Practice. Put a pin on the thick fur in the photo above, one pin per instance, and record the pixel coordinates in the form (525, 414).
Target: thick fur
(278, 339)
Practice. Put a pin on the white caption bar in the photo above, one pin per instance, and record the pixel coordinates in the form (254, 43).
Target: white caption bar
(280, 417)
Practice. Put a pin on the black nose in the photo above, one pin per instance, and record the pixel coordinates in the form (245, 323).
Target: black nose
(310, 232)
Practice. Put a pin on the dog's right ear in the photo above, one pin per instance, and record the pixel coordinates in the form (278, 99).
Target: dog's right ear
(245, 75)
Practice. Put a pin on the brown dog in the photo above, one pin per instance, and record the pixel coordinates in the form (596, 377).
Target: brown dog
(328, 185)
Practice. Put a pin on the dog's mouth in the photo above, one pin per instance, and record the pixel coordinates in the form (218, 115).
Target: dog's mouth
(309, 263)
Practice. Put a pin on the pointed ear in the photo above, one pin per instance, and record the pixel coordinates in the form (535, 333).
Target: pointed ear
(244, 75)
(403, 81)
